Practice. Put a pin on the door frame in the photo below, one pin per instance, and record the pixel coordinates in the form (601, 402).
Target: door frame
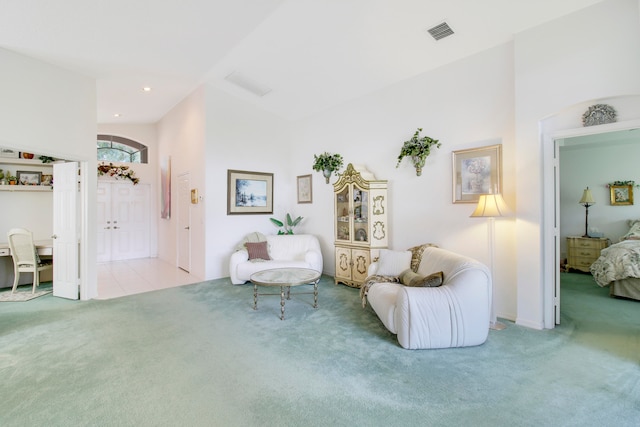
(551, 211)
(181, 209)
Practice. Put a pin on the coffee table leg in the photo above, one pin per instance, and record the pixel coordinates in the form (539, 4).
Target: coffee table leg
(281, 302)
(255, 296)
(315, 295)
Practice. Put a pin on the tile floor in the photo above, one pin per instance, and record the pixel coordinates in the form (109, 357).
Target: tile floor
(120, 278)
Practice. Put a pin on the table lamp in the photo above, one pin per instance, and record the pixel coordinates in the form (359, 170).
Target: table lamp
(586, 201)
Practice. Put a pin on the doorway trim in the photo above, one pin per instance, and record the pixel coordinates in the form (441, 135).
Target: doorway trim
(551, 209)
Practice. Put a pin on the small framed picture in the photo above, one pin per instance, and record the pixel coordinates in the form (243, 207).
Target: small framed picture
(476, 171)
(621, 195)
(305, 194)
(29, 177)
(249, 192)
(46, 180)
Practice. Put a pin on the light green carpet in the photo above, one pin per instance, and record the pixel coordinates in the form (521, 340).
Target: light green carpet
(200, 356)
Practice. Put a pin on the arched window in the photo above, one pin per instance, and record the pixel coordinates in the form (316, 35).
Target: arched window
(113, 148)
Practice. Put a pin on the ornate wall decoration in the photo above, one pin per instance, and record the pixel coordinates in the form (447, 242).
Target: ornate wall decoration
(599, 114)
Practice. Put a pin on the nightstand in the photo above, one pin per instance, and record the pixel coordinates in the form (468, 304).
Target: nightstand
(583, 251)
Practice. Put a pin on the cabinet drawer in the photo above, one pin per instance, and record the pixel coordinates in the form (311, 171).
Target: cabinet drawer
(586, 252)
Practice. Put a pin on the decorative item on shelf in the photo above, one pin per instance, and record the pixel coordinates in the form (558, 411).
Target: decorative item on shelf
(418, 148)
(118, 172)
(327, 164)
(621, 192)
(586, 201)
(27, 155)
(288, 227)
(599, 114)
(46, 159)
(12, 180)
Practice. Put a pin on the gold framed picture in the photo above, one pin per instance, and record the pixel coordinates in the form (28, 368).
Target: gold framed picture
(249, 192)
(621, 195)
(476, 171)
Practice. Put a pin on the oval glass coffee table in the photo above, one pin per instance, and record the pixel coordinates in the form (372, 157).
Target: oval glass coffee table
(285, 278)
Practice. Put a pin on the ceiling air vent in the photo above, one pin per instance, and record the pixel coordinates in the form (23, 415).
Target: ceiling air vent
(440, 31)
(240, 80)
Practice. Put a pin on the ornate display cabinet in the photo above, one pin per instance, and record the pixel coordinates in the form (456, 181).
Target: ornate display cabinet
(361, 228)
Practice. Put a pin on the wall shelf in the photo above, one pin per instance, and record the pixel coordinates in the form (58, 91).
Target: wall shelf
(40, 188)
(24, 162)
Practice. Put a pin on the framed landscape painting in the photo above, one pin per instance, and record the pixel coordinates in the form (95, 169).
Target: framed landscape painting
(249, 192)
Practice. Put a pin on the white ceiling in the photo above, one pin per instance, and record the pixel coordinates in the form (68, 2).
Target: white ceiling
(312, 54)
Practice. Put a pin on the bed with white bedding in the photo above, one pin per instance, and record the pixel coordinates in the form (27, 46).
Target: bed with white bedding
(619, 265)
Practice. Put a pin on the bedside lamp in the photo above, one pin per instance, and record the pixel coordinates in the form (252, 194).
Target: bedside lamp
(491, 206)
(586, 201)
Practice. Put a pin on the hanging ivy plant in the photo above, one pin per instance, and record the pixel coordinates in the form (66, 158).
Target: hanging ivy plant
(118, 172)
(417, 148)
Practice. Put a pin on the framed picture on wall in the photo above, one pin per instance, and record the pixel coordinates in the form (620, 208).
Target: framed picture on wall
(249, 192)
(305, 194)
(621, 195)
(29, 177)
(476, 171)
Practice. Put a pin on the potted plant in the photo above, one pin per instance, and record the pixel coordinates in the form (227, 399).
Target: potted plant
(327, 163)
(418, 148)
(289, 226)
(12, 180)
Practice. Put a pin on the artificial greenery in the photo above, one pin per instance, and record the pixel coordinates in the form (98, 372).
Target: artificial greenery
(46, 159)
(618, 183)
(286, 228)
(327, 162)
(118, 172)
(418, 148)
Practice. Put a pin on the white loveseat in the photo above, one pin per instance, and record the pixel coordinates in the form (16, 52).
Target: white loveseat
(297, 250)
(455, 314)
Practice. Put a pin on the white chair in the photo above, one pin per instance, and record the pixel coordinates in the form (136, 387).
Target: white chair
(25, 257)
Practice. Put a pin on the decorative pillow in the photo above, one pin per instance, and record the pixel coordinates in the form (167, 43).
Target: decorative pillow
(633, 233)
(409, 278)
(392, 263)
(258, 250)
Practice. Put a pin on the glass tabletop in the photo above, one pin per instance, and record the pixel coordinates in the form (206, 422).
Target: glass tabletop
(285, 277)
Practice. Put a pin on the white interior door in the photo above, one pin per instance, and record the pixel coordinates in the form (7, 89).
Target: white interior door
(65, 230)
(104, 222)
(184, 222)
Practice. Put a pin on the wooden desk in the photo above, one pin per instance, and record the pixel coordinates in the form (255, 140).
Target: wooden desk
(44, 247)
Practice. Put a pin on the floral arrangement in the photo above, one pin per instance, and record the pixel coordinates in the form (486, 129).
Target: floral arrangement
(327, 163)
(417, 148)
(118, 172)
(618, 183)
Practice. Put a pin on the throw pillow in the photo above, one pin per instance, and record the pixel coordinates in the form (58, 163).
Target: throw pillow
(409, 278)
(392, 263)
(258, 250)
(633, 233)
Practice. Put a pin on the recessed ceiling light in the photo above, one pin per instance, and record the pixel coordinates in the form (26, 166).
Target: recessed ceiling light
(146, 89)
(116, 115)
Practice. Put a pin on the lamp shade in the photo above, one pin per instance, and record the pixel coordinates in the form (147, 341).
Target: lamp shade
(587, 197)
(490, 206)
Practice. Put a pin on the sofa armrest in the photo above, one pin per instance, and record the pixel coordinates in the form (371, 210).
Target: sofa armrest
(314, 259)
(236, 258)
(453, 315)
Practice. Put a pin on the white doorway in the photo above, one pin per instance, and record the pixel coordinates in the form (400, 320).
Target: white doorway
(184, 222)
(551, 211)
(123, 221)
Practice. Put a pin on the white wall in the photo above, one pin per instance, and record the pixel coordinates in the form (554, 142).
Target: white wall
(242, 137)
(48, 110)
(148, 173)
(467, 104)
(181, 136)
(588, 55)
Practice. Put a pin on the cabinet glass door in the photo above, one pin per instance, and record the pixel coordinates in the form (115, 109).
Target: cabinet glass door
(342, 215)
(360, 214)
